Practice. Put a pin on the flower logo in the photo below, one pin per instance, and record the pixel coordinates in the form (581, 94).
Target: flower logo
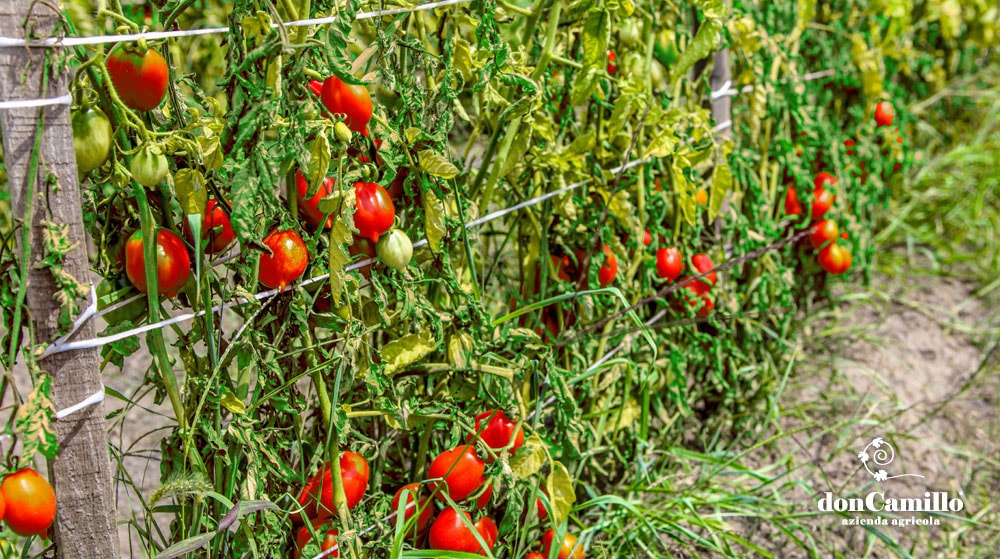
(882, 455)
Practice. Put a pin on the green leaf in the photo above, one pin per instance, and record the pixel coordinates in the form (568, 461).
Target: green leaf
(805, 12)
(621, 206)
(529, 458)
(437, 165)
(704, 43)
(559, 486)
(433, 220)
(403, 352)
(33, 422)
(722, 182)
(233, 404)
(189, 185)
(585, 86)
(187, 546)
(319, 163)
(519, 147)
(684, 190)
(340, 236)
(596, 33)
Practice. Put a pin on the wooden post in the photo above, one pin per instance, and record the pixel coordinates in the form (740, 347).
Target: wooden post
(722, 108)
(86, 520)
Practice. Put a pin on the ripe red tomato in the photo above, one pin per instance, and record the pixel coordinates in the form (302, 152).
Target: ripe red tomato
(823, 178)
(612, 59)
(139, 79)
(450, 533)
(823, 232)
(287, 262)
(497, 431)
(30, 502)
(310, 208)
(608, 269)
(484, 497)
(669, 263)
(216, 227)
(353, 101)
(849, 144)
(462, 471)
(172, 262)
(373, 210)
(647, 238)
(884, 113)
(695, 294)
(423, 506)
(822, 202)
(303, 537)
(568, 549)
(835, 259)
(543, 513)
(535, 555)
(3, 506)
(792, 204)
(703, 263)
(354, 476)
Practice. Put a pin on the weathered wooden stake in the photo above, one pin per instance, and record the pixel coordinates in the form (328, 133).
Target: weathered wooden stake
(81, 473)
(722, 108)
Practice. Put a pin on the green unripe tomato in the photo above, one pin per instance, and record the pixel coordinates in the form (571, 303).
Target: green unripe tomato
(395, 249)
(628, 33)
(149, 166)
(91, 139)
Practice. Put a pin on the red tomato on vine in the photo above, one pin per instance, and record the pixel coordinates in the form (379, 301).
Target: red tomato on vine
(216, 227)
(287, 261)
(835, 259)
(173, 266)
(669, 263)
(423, 506)
(609, 268)
(449, 532)
(309, 208)
(139, 78)
(569, 548)
(612, 60)
(30, 502)
(462, 471)
(885, 113)
(498, 431)
(703, 263)
(328, 535)
(353, 101)
(823, 232)
(373, 210)
(317, 496)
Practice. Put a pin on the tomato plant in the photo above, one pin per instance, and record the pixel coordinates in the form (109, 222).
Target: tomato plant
(569, 548)
(287, 261)
(309, 208)
(834, 258)
(353, 101)
(497, 431)
(669, 263)
(373, 210)
(422, 506)
(140, 76)
(461, 470)
(91, 138)
(215, 227)
(703, 263)
(30, 502)
(173, 266)
(449, 532)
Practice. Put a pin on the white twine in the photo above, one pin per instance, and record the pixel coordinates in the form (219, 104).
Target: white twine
(29, 103)
(92, 400)
(156, 35)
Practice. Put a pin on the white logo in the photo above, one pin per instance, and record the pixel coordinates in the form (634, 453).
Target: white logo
(882, 456)
(876, 458)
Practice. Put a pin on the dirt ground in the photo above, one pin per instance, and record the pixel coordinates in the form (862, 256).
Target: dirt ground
(909, 368)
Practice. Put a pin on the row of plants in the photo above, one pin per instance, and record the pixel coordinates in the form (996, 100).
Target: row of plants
(216, 170)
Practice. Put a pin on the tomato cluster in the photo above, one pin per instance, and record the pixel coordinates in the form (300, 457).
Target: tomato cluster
(833, 258)
(27, 503)
(457, 474)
